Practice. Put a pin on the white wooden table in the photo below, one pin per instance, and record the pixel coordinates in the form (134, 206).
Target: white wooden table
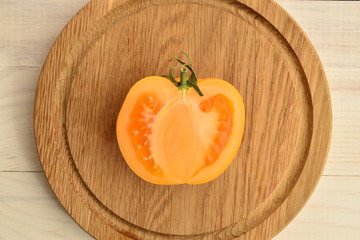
(29, 209)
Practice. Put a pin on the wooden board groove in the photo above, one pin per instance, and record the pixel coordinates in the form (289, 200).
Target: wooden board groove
(254, 45)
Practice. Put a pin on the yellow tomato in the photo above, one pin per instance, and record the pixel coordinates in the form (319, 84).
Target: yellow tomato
(171, 135)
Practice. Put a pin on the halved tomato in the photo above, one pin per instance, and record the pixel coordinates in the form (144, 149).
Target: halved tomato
(171, 135)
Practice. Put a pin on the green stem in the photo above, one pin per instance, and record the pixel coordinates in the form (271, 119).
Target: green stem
(183, 80)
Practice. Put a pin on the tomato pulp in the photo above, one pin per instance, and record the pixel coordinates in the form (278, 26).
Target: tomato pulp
(171, 135)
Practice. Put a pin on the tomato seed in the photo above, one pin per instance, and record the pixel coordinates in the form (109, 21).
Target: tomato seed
(135, 132)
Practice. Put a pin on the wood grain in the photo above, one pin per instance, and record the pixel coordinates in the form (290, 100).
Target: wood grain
(179, 206)
(72, 140)
(30, 210)
(26, 200)
(335, 36)
(18, 150)
(331, 213)
(31, 28)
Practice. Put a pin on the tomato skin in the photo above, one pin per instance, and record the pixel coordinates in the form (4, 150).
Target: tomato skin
(170, 136)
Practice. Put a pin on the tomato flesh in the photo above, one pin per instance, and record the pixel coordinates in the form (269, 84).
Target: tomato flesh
(221, 105)
(176, 136)
(140, 129)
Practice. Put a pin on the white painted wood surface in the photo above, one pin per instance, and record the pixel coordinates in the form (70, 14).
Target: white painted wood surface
(28, 208)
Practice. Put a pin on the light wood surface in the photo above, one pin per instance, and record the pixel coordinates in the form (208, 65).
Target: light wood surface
(331, 213)
(256, 46)
(27, 201)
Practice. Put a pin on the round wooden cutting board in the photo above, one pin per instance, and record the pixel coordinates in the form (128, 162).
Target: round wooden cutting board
(253, 44)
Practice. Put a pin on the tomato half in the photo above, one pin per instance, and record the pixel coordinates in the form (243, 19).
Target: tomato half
(183, 134)
(174, 136)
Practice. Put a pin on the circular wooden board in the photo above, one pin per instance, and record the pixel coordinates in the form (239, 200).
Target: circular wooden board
(253, 44)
